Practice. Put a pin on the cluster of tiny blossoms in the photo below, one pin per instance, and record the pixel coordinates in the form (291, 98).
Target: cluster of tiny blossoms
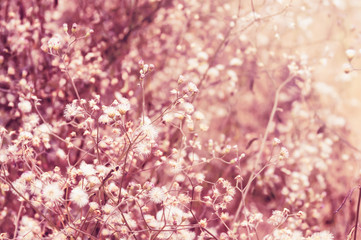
(97, 187)
(219, 133)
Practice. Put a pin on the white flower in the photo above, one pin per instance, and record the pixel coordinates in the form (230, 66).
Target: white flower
(145, 121)
(124, 105)
(236, 62)
(29, 228)
(55, 43)
(168, 117)
(181, 79)
(284, 154)
(277, 218)
(157, 195)
(188, 107)
(350, 53)
(111, 112)
(324, 235)
(25, 136)
(175, 166)
(200, 177)
(71, 110)
(112, 187)
(36, 187)
(198, 115)
(94, 181)
(276, 141)
(12, 149)
(79, 197)
(93, 104)
(24, 106)
(150, 131)
(31, 121)
(104, 119)
(102, 170)
(142, 149)
(61, 154)
(52, 192)
(44, 129)
(192, 88)
(107, 208)
(173, 213)
(20, 186)
(3, 156)
(87, 169)
(28, 176)
(94, 205)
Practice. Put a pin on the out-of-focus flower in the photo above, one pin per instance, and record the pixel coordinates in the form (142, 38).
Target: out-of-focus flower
(25, 106)
(65, 27)
(150, 131)
(74, 28)
(143, 148)
(203, 223)
(347, 68)
(25, 136)
(123, 106)
(72, 110)
(87, 169)
(192, 88)
(52, 192)
(29, 228)
(157, 195)
(350, 53)
(277, 218)
(324, 235)
(55, 43)
(79, 196)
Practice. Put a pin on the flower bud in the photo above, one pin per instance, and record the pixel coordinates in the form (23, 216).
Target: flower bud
(65, 27)
(151, 67)
(347, 68)
(141, 63)
(89, 32)
(181, 79)
(74, 28)
(350, 53)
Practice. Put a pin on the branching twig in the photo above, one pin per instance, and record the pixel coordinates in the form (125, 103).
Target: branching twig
(263, 144)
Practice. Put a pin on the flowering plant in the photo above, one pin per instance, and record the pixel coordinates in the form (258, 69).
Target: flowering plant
(173, 120)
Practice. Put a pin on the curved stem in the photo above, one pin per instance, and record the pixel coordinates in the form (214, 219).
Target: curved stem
(263, 144)
(357, 213)
(18, 219)
(143, 100)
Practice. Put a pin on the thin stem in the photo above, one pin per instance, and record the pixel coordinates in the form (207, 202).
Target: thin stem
(71, 80)
(126, 223)
(166, 109)
(143, 100)
(131, 144)
(97, 141)
(253, 10)
(357, 212)
(18, 219)
(191, 211)
(263, 144)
